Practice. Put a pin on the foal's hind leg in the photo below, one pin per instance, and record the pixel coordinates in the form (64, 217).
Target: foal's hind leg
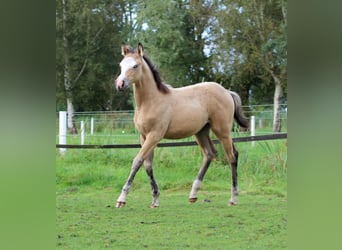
(209, 153)
(155, 190)
(233, 155)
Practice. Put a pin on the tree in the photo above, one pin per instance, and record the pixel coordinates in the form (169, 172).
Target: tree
(271, 23)
(238, 43)
(88, 40)
(251, 36)
(67, 79)
(172, 32)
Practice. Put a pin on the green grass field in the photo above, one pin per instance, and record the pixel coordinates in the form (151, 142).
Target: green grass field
(89, 181)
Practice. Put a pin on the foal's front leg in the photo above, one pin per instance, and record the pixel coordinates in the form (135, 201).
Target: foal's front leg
(135, 167)
(155, 190)
(146, 149)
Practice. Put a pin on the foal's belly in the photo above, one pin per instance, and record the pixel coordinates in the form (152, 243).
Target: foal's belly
(183, 128)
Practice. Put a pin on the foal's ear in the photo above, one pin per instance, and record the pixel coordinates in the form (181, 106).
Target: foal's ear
(124, 49)
(140, 49)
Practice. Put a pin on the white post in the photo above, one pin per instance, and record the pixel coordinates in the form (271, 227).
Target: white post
(62, 130)
(82, 132)
(92, 126)
(253, 128)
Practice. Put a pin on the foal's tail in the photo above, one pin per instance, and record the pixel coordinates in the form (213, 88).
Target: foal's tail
(238, 113)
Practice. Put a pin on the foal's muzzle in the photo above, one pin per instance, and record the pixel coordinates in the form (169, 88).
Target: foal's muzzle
(121, 84)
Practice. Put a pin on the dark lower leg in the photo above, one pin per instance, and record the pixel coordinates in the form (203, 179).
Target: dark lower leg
(155, 189)
(154, 186)
(208, 152)
(235, 189)
(198, 181)
(121, 201)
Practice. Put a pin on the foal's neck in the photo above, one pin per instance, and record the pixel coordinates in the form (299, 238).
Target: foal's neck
(145, 91)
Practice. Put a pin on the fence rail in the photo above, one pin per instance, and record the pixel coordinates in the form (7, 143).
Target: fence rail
(174, 144)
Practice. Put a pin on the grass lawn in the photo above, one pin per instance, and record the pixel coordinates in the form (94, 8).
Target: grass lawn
(88, 183)
(89, 220)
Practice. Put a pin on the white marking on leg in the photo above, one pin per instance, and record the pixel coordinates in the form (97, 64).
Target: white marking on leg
(195, 187)
(233, 199)
(124, 192)
(155, 200)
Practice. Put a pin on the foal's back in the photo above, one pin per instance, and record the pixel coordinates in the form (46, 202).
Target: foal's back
(192, 107)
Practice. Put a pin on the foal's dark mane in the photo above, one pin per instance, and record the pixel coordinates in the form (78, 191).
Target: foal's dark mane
(162, 87)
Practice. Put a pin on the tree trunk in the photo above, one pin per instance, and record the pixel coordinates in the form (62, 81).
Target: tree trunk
(71, 121)
(278, 93)
(67, 79)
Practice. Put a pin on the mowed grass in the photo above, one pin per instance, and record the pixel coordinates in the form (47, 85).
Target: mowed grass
(90, 221)
(88, 183)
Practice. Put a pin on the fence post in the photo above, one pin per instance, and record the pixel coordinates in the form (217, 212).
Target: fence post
(82, 132)
(62, 130)
(253, 128)
(92, 126)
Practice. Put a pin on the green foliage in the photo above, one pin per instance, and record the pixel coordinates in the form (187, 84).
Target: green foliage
(172, 34)
(94, 32)
(251, 45)
(241, 44)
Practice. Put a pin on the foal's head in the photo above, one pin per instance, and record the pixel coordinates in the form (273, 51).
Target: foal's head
(132, 69)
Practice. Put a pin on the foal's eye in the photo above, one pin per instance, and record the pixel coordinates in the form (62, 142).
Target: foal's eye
(135, 66)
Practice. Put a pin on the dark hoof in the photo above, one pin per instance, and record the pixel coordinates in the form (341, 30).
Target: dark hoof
(192, 200)
(232, 203)
(153, 206)
(120, 204)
